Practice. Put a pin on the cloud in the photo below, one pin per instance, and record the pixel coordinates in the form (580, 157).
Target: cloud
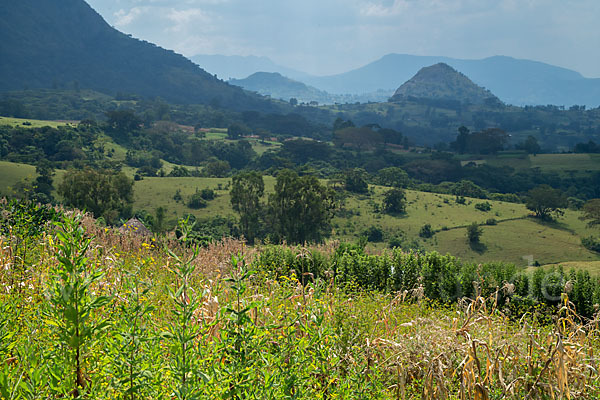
(125, 18)
(335, 35)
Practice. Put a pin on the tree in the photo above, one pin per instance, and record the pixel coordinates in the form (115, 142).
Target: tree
(394, 201)
(462, 140)
(293, 101)
(235, 131)
(339, 123)
(354, 181)
(474, 233)
(246, 190)
(530, 145)
(591, 212)
(545, 201)
(123, 121)
(104, 193)
(43, 183)
(301, 208)
(393, 176)
(467, 188)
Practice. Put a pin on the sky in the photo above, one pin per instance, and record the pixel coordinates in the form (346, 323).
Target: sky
(325, 37)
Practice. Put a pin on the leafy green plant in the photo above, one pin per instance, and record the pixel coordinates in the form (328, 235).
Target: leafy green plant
(131, 364)
(182, 332)
(238, 333)
(73, 302)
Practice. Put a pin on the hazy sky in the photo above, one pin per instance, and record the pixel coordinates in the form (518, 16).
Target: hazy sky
(331, 36)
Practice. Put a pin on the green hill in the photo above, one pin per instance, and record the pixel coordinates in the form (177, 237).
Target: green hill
(278, 86)
(442, 82)
(66, 44)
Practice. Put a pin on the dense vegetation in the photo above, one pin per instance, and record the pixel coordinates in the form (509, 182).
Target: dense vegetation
(87, 312)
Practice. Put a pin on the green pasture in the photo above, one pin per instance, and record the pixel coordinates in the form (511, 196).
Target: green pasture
(12, 173)
(566, 162)
(32, 123)
(516, 237)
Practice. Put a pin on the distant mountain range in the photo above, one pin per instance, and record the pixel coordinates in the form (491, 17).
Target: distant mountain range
(239, 67)
(277, 86)
(67, 44)
(442, 82)
(514, 81)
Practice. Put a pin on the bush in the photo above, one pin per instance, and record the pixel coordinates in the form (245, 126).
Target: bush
(196, 201)
(426, 231)
(491, 221)
(591, 243)
(474, 232)
(208, 194)
(373, 234)
(485, 206)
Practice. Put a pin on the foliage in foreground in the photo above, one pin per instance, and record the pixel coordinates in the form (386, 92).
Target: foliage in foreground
(134, 321)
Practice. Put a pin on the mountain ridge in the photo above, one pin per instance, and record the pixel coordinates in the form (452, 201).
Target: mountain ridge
(72, 44)
(515, 81)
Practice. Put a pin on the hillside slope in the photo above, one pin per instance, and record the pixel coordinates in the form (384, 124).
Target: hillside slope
(442, 82)
(280, 87)
(67, 44)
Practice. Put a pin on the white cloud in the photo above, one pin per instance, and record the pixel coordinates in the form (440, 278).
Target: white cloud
(335, 35)
(124, 18)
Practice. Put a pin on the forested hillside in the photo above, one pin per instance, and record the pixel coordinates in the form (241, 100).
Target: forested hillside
(66, 44)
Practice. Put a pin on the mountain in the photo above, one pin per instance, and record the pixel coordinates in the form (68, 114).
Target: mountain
(67, 44)
(277, 86)
(442, 82)
(239, 67)
(514, 81)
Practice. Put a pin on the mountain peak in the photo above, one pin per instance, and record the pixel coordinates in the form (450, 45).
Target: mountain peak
(441, 81)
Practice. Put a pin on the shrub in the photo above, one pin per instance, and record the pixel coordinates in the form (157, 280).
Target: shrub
(426, 231)
(591, 243)
(491, 221)
(196, 201)
(373, 234)
(485, 206)
(208, 194)
(474, 232)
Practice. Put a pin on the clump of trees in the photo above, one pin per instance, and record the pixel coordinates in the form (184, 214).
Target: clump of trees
(104, 193)
(300, 210)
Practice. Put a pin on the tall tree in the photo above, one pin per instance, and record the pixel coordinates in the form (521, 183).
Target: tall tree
(246, 190)
(301, 208)
(546, 201)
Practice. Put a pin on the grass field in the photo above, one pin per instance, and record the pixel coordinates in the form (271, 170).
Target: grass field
(33, 123)
(566, 162)
(592, 266)
(11, 173)
(515, 238)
